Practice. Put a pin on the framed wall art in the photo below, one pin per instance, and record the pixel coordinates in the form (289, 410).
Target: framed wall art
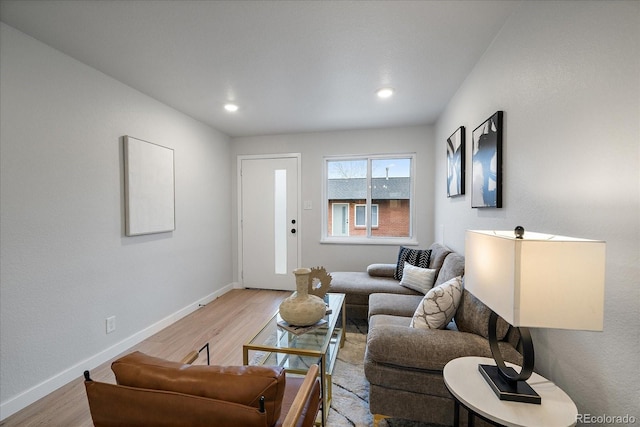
(486, 191)
(149, 187)
(455, 163)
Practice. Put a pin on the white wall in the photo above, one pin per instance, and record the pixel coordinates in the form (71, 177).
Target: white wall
(65, 263)
(313, 147)
(567, 75)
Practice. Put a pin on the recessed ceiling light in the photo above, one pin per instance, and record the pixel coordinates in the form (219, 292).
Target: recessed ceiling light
(230, 107)
(385, 92)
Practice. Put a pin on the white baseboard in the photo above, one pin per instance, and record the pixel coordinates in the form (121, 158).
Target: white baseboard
(39, 391)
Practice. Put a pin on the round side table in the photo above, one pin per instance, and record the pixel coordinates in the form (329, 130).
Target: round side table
(470, 390)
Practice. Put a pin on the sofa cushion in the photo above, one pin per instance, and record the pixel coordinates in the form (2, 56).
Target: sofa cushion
(473, 316)
(358, 285)
(438, 306)
(396, 305)
(417, 278)
(452, 266)
(417, 257)
(239, 384)
(381, 270)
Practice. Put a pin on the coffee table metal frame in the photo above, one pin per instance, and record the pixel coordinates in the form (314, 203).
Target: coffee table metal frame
(275, 346)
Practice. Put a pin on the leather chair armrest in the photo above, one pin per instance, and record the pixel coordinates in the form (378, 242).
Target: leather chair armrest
(306, 404)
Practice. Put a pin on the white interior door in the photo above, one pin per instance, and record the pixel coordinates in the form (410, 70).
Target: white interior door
(269, 220)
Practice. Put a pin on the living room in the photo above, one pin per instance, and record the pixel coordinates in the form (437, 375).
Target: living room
(566, 75)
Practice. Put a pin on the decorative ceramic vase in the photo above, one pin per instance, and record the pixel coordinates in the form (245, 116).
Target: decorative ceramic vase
(302, 309)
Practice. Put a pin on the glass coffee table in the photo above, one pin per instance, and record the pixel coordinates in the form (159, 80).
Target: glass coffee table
(276, 346)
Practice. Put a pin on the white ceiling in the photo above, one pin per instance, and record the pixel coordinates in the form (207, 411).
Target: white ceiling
(292, 66)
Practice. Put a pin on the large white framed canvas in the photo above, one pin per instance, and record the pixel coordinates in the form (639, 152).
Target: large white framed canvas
(149, 187)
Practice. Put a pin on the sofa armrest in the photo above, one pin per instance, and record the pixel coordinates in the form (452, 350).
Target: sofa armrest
(428, 349)
(381, 270)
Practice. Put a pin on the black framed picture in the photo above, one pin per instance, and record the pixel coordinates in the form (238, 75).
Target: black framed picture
(455, 163)
(486, 191)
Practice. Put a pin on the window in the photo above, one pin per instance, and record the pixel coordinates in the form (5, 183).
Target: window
(361, 215)
(368, 199)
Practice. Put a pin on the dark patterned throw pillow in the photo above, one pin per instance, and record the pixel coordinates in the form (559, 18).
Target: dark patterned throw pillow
(416, 257)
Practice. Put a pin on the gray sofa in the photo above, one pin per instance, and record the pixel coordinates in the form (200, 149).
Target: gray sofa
(378, 279)
(404, 365)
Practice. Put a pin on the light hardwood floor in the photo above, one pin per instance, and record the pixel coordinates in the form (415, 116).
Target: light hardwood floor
(225, 323)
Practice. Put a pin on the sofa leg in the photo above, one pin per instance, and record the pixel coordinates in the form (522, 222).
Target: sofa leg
(377, 418)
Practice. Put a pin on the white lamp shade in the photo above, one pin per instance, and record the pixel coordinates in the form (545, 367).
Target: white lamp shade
(541, 281)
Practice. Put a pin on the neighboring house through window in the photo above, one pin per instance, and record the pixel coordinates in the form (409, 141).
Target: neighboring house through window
(361, 216)
(369, 198)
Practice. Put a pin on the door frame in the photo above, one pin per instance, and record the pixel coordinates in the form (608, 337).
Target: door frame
(240, 158)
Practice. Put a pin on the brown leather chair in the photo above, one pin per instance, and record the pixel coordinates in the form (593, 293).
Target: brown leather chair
(156, 392)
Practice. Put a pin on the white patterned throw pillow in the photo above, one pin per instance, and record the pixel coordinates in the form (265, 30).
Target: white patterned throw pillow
(438, 306)
(417, 278)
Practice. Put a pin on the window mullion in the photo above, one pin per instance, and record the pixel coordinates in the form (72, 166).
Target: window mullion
(368, 203)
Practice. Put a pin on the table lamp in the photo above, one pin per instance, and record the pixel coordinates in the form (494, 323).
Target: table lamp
(533, 280)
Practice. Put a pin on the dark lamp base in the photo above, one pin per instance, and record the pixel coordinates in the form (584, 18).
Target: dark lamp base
(515, 391)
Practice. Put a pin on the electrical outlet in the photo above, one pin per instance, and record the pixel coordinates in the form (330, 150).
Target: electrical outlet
(111, 324)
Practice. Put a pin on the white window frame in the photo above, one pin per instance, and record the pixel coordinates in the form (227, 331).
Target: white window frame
(369, 239)
(355, 216)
